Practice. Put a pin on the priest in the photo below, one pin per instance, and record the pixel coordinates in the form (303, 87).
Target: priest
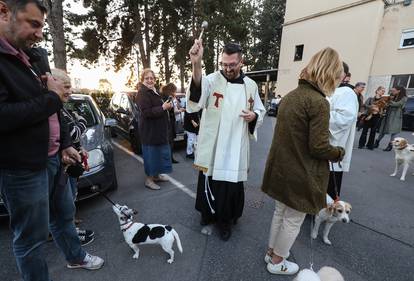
(232, 112)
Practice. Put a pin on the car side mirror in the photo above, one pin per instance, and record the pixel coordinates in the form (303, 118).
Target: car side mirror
(109, 122)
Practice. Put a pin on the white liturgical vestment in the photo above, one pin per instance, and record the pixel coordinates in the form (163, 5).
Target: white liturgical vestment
(223, 141)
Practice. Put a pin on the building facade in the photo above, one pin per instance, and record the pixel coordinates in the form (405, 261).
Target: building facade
(374, 37)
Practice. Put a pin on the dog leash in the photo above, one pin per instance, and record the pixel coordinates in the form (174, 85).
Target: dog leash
(96, 189)
(311, 243)
(336, 199)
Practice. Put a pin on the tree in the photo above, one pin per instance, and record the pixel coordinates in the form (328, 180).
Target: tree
(268, 33)
(56, 28)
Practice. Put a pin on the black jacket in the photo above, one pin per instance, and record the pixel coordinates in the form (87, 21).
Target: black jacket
(25, 106)
(153, 121)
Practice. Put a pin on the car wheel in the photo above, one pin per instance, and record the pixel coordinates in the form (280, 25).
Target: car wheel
(135, 144)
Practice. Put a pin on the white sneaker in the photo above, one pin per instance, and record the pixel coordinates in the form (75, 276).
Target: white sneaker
(285, 267)
(89, 262)
(268, 258)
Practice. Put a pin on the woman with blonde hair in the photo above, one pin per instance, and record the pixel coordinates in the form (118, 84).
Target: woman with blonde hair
(297, 172)
(153, 129)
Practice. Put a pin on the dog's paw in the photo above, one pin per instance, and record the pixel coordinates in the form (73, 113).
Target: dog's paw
(136, 256)
(170, 261)
(393, 175)
(327, 242)
(207, 230)
(402, 179)
(314, 234)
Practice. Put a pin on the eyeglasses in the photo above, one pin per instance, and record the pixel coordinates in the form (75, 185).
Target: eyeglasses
(229, 65)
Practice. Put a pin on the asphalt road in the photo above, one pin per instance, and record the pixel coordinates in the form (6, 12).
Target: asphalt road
(377, 245)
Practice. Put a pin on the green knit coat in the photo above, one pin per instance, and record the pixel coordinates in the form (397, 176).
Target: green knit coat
(297, 169)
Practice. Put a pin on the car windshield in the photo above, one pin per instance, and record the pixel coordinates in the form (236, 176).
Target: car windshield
(84, 109)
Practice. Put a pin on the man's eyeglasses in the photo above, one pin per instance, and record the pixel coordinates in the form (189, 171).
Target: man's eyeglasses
(229, 65)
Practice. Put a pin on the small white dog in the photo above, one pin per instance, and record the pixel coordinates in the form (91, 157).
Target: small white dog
(335, 211)
(138, 233)
(404, 154)
(326, 273)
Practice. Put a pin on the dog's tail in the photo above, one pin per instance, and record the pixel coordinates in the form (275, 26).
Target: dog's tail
(177, 239)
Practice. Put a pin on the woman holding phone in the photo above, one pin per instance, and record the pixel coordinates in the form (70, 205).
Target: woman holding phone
(153, 128)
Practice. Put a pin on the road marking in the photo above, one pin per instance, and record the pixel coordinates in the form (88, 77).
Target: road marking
(175, 182)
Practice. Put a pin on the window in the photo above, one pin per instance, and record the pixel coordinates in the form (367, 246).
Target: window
(84, 109)
(407, 39)
(406, 80)
(298, 53)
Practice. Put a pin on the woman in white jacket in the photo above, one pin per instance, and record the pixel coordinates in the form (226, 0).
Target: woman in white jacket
(342, 123)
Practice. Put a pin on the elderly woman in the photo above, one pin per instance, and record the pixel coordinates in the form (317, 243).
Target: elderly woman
(153, 128)
(77, 127)
(297, 171)
(392, 122)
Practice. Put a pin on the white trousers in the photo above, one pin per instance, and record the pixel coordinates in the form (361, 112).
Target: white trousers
(191, 142)
(285, 228)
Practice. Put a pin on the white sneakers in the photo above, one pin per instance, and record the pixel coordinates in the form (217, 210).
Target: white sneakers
(285, 267)
(89, 262)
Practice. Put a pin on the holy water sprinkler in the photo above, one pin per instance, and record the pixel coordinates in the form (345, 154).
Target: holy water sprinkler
(204, 25)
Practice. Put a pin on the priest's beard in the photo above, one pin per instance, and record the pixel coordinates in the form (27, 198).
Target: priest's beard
(232, 74)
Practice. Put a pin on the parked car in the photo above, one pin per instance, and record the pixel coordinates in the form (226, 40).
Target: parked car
(408, 115)
(123, 109)
(97, 141)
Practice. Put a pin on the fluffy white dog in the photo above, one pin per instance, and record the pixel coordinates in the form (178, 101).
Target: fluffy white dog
(326, 273)
(138, 233)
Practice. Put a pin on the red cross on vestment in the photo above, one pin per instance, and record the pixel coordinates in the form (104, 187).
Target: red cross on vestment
(251, 102)
(218, 97)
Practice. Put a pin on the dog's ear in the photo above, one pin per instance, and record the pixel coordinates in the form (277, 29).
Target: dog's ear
(403, 142)
(348, 206)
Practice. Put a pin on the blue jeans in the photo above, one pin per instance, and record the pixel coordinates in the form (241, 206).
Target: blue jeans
(25, 194)
(62, 212)
(29, 196)
(73, 184)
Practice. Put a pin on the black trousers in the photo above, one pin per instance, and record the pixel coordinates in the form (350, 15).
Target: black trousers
(371, 126)
(331, 185)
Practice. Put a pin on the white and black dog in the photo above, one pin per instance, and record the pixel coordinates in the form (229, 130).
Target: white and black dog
(138, 233)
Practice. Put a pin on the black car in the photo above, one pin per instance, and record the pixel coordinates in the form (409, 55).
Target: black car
(123, 109)
(408, 115)
(97, 141)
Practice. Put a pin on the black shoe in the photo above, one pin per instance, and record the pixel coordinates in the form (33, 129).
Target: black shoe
(225, 234)
(85, 232)
(388, 148)
(174, 161)
(370, 147)
(376, 144)
(191, 156)
(225, 231)
(85, 240)
(360, 147)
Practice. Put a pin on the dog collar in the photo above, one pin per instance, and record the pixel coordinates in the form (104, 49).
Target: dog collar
(125, 229)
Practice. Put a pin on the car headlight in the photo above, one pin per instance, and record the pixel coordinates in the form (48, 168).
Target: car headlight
(96, 158)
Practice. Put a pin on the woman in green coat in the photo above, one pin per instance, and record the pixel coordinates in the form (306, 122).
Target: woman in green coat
(297, 170)
(392, 122)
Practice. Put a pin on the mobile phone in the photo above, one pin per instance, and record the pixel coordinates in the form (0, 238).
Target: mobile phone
(169, 99)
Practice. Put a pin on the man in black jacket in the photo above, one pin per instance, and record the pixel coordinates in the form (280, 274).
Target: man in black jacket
(29, 135)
